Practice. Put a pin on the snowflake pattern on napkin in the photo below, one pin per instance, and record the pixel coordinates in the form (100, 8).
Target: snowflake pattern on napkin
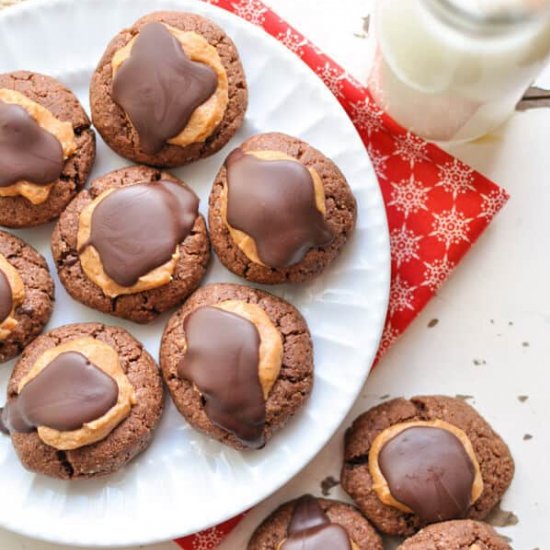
(437, 206)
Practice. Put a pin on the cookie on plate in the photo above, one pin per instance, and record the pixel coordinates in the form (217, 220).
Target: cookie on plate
(26, 295)
(238, 363)
(47, 148)
(133, 244)
(456, 535)
(169, 90)
(409, 463)
(279, 211)
(309, 523)
(83, 400)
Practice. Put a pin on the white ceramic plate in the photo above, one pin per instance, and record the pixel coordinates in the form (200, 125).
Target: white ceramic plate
(185, 482)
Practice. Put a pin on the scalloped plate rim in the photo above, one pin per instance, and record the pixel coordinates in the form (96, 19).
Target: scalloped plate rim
(376, 206)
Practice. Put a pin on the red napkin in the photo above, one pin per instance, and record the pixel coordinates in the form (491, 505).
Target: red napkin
(437, 206)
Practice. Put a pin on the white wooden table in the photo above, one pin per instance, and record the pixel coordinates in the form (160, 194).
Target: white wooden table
(492, 341)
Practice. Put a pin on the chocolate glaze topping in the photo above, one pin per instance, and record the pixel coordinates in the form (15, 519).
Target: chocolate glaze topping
(429, 470)
(65, 395)
(311, 529)
(27, 151)
(273, 201)
(6, 297)
(137, 228)
(222, 360)
(159, 87)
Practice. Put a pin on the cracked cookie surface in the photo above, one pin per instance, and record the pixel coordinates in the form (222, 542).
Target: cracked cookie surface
(456, 535)
(295, 380)
(494, 458)
(341, 215)
(112, 122)
(125, 441)
(63, 104)
(141, 307)
(36, 309)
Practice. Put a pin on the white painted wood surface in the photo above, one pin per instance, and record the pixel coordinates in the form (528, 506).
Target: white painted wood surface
(492, 339)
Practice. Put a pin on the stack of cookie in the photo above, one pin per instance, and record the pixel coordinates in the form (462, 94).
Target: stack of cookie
(84, 399)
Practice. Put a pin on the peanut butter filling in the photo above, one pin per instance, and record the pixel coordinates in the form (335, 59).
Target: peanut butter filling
(17, 293)
(104, 357)
(93, 267)
(207, 117)
(62, 131)
(380, 484)
(271, 341)
(245, 242)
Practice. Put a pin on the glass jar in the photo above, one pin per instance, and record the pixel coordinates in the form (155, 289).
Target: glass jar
(453, 70)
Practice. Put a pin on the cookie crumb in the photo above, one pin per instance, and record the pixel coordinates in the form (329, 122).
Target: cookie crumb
(433, 323)
(502, 518)
(366, 23)
(328, 484)
(463, 397)
(3, 429)
(523, 398)
(534, 98)
(391, 542)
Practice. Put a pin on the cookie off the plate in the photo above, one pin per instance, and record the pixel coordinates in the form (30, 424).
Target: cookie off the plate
(456, 535)
(310, 523)
(132, 245)
(47, 148)
(410, 463)
(83, 401)
(238, 363)
(169, 90)
(279, 211)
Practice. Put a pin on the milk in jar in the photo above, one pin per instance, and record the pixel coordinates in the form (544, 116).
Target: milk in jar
(453, 70)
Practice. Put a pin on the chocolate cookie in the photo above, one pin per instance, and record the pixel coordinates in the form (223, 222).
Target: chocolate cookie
(430, 459)
(279, 210)
(456, 535)
(169, 90)
(26, 295)
(83, 401)
(309, 523)
(133, 244)
(238, 363)
(47, 148)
